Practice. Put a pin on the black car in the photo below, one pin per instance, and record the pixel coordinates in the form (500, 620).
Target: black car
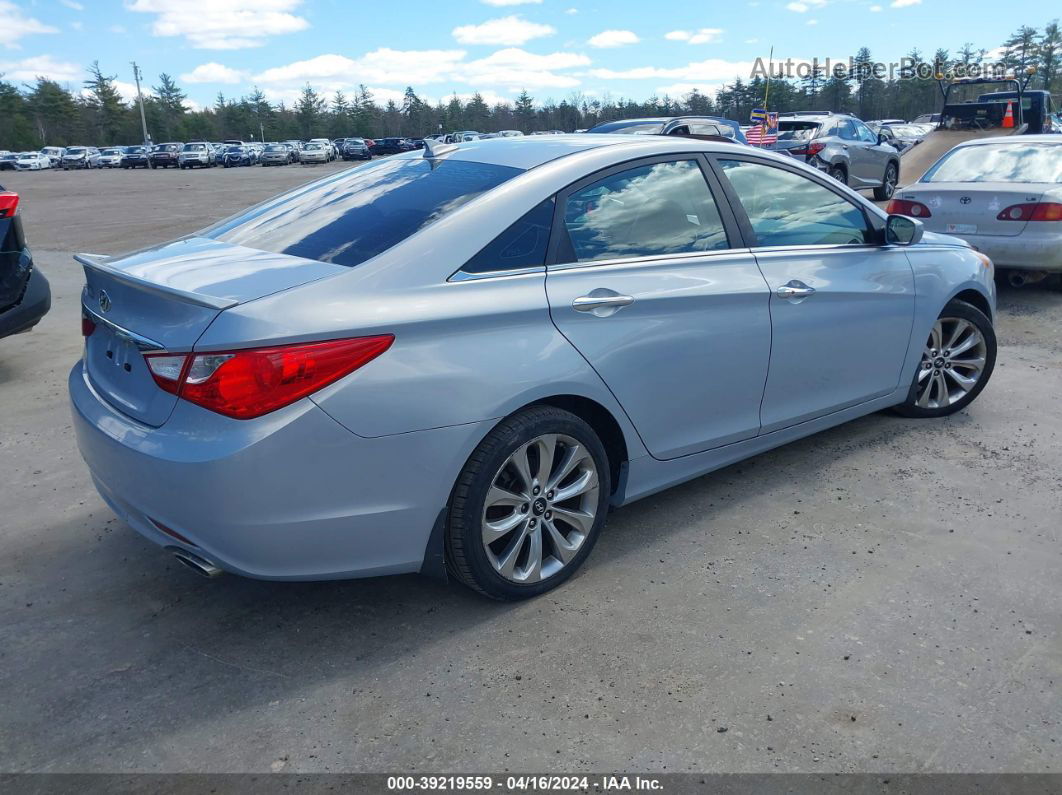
(239, 156)
(165, 155)
(7, 162)
(392, 146)
(135, 157)
(355, 149)
(25, 296)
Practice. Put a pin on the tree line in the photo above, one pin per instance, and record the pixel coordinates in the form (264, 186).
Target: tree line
(47, 113)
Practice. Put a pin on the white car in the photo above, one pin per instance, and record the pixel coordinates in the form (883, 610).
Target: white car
(1001, 195)
(54, 154)
(197, 154)
(315, 152)
(32, 161)
(329, 147)
(110, 158)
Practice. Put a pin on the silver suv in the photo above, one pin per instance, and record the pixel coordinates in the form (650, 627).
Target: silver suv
(198, 153)
(843, 147)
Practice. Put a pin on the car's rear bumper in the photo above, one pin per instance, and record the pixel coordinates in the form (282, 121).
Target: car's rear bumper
(26, 313)
(292, 495)
(1021, 252)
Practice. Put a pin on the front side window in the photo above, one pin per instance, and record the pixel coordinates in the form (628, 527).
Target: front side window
(651, 210)
(357, 214)
(788, 209)
(865, 134)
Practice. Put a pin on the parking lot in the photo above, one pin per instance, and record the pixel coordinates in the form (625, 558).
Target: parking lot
(880, 597)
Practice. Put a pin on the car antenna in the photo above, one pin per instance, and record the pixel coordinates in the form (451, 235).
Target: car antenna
(434, 149)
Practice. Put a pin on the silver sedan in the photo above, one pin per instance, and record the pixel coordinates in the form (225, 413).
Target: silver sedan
(1002, 195)
(460, 359)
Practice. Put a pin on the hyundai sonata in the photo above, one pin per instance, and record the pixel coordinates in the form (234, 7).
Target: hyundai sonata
(460, 359)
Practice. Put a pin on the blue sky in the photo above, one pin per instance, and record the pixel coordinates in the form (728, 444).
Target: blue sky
(553, 48)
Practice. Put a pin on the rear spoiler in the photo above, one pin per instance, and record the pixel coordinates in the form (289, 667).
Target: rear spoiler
(97, 262)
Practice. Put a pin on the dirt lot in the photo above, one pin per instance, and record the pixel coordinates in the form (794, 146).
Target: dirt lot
(881, 597)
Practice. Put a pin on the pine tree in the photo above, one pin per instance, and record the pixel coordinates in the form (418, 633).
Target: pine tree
(105, 105)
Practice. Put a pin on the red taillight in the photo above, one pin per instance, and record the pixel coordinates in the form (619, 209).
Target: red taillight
(88, 325)
(809, 150)
(1033, 211)
(244, 384)
(908, 207)
(8, 204)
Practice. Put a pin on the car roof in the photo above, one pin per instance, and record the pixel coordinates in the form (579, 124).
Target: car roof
(527, 152)
(1014, 139)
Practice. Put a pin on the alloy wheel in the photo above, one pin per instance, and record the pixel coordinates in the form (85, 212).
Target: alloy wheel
(952, 363)
(540, 508)
(890, 181)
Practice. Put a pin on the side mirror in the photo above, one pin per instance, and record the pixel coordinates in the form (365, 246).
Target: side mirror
(902, 231)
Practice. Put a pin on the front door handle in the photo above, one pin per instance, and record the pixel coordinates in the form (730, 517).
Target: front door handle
(602, 302)
(794, 290)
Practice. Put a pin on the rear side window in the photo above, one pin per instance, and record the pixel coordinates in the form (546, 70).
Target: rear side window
(651, 210)
(522, 245)
(788, 209)
(357, 214)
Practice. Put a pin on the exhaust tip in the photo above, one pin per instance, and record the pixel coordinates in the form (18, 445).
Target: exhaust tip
(201, 566)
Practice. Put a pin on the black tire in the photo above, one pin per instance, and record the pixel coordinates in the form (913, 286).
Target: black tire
(839, 174)
(962, 310)
(888, 184)
(466, 555)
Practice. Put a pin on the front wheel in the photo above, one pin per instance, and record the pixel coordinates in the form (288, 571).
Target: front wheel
(528, 505)
(957, 362)
(888, 184)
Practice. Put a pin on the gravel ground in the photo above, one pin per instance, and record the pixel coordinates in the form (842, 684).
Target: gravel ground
(881, 597)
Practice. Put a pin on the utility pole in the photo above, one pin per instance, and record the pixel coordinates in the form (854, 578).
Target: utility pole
(140, 99)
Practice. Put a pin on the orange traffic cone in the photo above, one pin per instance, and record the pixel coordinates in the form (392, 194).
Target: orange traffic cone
(1008, 117)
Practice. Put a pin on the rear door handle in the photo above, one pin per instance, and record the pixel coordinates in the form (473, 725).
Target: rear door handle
(794, 290)
(602, 302)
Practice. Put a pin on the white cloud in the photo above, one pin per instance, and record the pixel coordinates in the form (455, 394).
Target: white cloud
(875, 9)
(752, 41)
(802, 6)
(520, 69)
(701, 36)
(117, 28)
(28, 70)
(904, 3)
(15, 25)
(511, 2)
(682, 89)
(222, 24)
(812, 22)
(508, 31)
(710, 71)
(571, 11)
(613, 38)
(73, 5)
(213, 73)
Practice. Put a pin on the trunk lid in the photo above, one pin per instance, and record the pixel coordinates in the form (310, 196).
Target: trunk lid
(963, 208)
(164, 299)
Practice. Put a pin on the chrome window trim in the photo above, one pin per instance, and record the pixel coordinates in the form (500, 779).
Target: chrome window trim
(465, 276)
(649, 260)
(141, 342)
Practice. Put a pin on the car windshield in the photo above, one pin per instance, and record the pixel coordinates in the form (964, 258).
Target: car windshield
(75, 150)
(1008, 162)
(358, 214)
(630, 127)
(797, 130)
(194, 147)
(110, 152)
(312, 147)
(134, 150)
(906, 131)
(276, 148)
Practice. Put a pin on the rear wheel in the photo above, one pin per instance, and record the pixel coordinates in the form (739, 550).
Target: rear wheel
(888, 184)
(529, 504)
(839, 174)
(957, 361)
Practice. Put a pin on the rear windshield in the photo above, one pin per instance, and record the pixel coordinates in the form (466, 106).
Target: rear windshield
(797, 130)
(360, 213)
(630, 127)
(1010, 162)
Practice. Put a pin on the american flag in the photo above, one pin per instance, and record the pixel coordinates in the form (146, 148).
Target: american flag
(764, 134)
